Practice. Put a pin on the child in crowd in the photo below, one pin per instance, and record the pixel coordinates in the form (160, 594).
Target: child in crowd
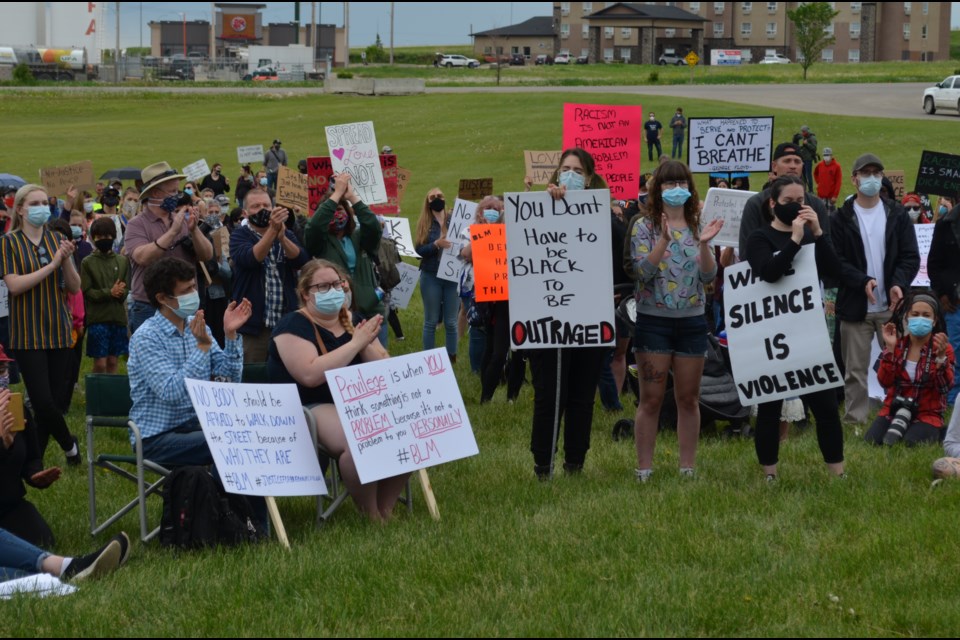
(104, 281)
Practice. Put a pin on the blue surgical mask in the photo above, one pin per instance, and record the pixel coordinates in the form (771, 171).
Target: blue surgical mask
(676, 197)
(77, 231)
(38, 214)
(188, 191)
(942, 210)
(572, 180)
(491, 215)
(189, 305)
(263, 182)
(870, 186)
(919, 327)
(330, 302)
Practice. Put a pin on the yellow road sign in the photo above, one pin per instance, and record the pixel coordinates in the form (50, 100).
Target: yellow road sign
(692, 58)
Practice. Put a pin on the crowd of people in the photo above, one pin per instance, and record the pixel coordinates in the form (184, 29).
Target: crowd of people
(172, 275)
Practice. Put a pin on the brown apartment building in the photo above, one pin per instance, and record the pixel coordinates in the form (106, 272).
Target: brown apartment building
(641, 32)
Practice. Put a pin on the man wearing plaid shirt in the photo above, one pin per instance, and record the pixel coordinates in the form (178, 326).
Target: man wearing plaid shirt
(173, 345)
(266, 258)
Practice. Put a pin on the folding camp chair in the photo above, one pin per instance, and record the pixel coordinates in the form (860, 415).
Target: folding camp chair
(108, 405)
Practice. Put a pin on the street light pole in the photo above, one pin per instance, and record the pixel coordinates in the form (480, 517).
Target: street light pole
(184, 16)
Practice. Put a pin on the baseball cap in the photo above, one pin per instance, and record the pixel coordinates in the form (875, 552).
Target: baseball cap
(866, 160)
(827, 151)
(785, 149)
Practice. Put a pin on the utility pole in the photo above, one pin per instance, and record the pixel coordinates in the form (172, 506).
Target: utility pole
(391, 31)
(296, 21)
(213, 35)
(346, 33)
(116, 59)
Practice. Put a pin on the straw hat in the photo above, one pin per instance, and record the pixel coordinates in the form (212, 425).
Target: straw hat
(156, 174)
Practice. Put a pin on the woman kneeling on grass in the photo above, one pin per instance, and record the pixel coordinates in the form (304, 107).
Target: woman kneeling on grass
(672, 260)
(916, 369)
(317, 338)
(771, 250)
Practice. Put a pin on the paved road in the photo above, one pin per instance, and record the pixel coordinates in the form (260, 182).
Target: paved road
(875, 100)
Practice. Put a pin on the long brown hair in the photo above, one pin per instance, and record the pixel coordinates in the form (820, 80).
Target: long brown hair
(590, 178)
(673, 171)
(303, 287)
(426, 219)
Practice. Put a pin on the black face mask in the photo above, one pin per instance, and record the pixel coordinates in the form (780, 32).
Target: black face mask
(260, 218)
(111, 202)
(437, 205)
(787, 213)
(104, 245)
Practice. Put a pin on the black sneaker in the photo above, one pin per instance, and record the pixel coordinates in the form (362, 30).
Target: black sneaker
(573, 468)
(75, 459)
(94, 565)
(542, 471)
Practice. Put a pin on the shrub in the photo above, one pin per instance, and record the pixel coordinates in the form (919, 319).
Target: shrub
(653, 78)
(344, 75)
(23, 75)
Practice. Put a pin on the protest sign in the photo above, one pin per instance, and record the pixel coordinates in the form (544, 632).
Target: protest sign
(561, 283)
(777, 332)
(939, 174)
(391, 180)
(898, 182)
(488, 243)
(409, 277)
(730, 144)
(353, 148)
(402, 414)
(611, 133)
(258, 438)
(252, 154)
(475, 189)
(728, 205)
(58, 180)
(924, 240)
(540, 165)
(403, 178)
(196, 171)
(320, 178)
(399, 230)
(292, 189)
(451, 264)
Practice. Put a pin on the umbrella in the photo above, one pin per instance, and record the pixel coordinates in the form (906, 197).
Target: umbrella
(126, 173)
(8, 180)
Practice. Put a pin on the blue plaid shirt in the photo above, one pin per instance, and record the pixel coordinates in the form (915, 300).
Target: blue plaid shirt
(161, 358)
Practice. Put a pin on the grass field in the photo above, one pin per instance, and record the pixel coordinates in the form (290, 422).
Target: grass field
(594, 555)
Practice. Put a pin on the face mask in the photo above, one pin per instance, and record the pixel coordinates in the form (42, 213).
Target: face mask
(339, 222)
(787, 213)
(827, 159)
(168, 204)
(913, 213)
(104, 245)
(330, 302)
(77, 231)
(188, 191)
(129, 208)
(347, 299)
(213, 220)
(189, 305)
(652, 118)
(438, 205)
(260, 218)
(942, 210)
(88, 207)
(491, 215)
(572, 180)
(870, 186)
(676, 197)
(38, 214)
(216, 170)
(111, 202)
(919, 327)
(263, 182)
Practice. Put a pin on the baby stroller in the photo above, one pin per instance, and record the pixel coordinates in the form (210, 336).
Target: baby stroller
(719, 400)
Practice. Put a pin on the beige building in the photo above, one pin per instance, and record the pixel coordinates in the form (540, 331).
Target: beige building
(864, 31)
(529, 38)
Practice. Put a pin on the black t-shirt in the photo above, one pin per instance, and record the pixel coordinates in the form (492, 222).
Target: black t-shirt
(652, 127)
(296, 324)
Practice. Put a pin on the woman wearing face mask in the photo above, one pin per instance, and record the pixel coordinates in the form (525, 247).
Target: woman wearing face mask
(771, 251)
(311, 341)
(216, 181)
(916, 370)
(245, 182)
(38, 271)
(438, 294)
(944, 205)
(130, 205)
(914, 208)
(345, 232)
(672, 260)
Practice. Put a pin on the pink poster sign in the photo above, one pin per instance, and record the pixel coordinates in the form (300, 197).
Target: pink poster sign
(612, 135)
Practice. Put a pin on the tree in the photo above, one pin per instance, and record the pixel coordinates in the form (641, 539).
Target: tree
(810, 21)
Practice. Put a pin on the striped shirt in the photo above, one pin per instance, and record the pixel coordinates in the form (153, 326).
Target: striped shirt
(40, 317)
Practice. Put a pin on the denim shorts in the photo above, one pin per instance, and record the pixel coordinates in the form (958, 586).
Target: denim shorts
(671, 336)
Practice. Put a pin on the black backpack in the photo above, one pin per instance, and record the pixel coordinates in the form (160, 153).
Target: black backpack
(386, 263)
(197, 512)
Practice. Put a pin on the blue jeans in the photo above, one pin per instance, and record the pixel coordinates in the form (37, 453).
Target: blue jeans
(607, 385)
(677, 147)
(478, 344)
(140, 312)
(439, 293)
(18, 558)
(182, 446)
(953, 332)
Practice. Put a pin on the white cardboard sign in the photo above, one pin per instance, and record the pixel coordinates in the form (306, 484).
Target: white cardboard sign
(353, 148)
(451, 264)
(196, 171)
(251, 154)
(728, 205)
(401, 294)
(399, 229)
(258, 437)
(730, 144)
(924, 240)
(777, 333)
(561, 280)
(402, 414)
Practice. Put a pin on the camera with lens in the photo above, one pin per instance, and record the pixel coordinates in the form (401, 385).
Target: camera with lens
(902, 409)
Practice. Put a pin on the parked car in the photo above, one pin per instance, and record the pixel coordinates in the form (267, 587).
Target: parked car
(454, 60)
(777, 58)
(261, 74)
(517, 60)
(543, 58)
(670, 57)
(583, 59)
(562, 58)
(943, 95)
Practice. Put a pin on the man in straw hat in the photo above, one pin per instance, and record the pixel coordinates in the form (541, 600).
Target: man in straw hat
(167, 227)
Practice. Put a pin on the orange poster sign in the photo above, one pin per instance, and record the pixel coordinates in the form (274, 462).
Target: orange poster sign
(489, 245)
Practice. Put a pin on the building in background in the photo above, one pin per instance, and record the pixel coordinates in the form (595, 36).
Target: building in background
(65, 25)
(529, 39)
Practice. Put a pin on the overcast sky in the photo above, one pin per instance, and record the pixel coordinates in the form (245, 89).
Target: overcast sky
(416, 23)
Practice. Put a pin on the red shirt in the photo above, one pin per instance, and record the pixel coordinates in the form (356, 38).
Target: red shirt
(932, 393)
(828, 178)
